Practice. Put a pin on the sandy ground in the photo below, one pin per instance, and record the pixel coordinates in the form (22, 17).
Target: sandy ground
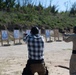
(13, 58)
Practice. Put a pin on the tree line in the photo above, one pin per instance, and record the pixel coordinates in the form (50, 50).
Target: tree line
(27, 14)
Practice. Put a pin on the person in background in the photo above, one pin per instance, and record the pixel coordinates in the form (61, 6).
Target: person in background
(35, 62)
(69, 38)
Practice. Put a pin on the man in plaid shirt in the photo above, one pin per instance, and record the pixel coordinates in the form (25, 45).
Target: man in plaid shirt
(35, 61)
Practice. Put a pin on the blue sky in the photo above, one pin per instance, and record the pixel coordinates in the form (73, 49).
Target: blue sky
(62, 5)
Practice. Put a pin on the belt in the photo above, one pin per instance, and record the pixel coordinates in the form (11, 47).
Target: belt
(74, 52)
(35, 61)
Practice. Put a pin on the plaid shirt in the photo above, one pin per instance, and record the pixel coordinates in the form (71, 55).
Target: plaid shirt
(35, 45)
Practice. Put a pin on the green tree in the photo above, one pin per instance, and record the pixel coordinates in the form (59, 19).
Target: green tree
(2, 4)
(73, 9)
(18, 5)
(54, 10)
(9, 4)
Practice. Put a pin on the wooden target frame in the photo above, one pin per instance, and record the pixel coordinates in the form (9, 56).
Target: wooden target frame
(4, 37)
(47, 34)
(16, 36)
(56, 34)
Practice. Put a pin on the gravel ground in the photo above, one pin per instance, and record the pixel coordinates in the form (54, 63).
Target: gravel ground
(13, 58)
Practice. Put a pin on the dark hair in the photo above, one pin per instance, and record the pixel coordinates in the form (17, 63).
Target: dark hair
(74, 30)
(34, 30)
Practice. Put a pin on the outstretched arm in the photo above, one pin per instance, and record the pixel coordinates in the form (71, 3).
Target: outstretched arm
(25, 37)
(67, 37)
